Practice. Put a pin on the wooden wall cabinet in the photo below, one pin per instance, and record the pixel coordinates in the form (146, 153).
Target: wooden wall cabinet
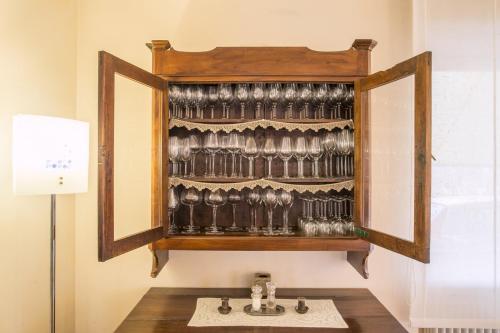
(265, 64)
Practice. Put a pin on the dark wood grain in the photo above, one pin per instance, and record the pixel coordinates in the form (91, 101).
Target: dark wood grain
(165, 310)
(108, 247)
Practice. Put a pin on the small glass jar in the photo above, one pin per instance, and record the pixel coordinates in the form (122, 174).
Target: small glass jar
(271, 295)
(256, 297)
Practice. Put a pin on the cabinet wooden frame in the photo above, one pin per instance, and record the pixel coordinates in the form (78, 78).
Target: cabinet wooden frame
(421, 68)
(258, 64)
(109, 66)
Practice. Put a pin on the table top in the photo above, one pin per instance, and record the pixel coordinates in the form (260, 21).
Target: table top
(168, 310)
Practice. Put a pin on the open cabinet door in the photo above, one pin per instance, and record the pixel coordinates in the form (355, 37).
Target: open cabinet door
(110, 247)
(418, 71)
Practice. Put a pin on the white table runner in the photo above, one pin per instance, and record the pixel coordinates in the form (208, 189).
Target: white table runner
(322, 313)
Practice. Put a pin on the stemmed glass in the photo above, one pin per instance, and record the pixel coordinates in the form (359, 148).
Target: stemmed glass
(274, 96)
(213, 97)
(323, 223)
(320, 97)
(285, 153)
(215, 199)
(257, 95)
(335, 96)
(173, 153)
(286, 200)
(300, 153)
(253, 199)
(195, 147)
(250, 151)
(241, 146)
(188, 98)
(348, 99)
(211, 145)
(270, 200)
(175, 95)
(234, 198)
(269, 152)
(173, 206)
(232, 147)
(185, 154)
(314, 151)
(243, 95)
(290, 96)
(200, 99)
(191, 197)
(224, 151)
(226, 96)
(305, 97)
(329, 148)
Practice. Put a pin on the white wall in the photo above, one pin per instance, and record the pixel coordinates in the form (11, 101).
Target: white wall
(106, 292)
(38, 61)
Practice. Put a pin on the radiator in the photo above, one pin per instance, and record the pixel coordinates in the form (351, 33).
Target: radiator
(458, 330)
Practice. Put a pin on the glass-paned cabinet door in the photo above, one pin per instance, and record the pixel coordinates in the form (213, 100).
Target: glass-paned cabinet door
(132, 157)
(393, 159)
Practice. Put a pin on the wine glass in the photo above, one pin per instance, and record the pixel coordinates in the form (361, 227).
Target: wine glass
(224, 151)
(300, 153)
(200, 99)
(335, 95)
(250, 151)
(195, 146)
(175, 92)
(314, 151)
(215, 199)
(290, 96)
(241, 146)
(323, 223)
(243, 95)
(232, 147)
(329, 148)
(274, 96)
(213, 97)
(305, 97)
(285, 153)
(270, 200)
(347, 100)
(185, 154)
(269, 152)
(188, 99)
(253, 199)
(173, 153)
(173, 206)
(320, 97)
(191, 197)
(234, 198)
(211, 145)
(226, 96)
(257, 95)
(286, 200)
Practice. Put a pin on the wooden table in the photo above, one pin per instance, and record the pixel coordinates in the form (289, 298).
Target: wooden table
(168, 310)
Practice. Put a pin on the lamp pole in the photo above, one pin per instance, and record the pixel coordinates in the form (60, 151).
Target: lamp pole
(52, 263)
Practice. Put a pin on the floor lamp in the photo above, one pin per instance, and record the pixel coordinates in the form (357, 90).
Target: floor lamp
(50, 156)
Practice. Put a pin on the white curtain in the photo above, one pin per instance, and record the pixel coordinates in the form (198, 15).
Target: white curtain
(461, 286)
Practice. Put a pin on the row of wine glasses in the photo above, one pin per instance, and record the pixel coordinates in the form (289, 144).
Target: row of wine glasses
(293, 100)
(333, 144)
(324, 215)
(270, 198)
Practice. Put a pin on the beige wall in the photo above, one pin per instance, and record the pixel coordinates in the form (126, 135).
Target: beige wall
(105, 292)
(38, 61)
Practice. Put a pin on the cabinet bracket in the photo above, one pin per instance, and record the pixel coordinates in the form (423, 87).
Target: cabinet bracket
(359, 260)
(160, 259)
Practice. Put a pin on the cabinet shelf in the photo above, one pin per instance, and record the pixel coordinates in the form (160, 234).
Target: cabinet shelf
(308, 180)
(241, 242)
(242, 121)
